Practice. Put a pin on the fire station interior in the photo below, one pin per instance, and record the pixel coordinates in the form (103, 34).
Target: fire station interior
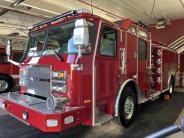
(123, 97)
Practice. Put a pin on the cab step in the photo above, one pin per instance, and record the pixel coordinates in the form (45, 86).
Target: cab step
(102, 119)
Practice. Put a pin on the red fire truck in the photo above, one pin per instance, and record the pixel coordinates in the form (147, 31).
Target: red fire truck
(9, 73)
(79, 68)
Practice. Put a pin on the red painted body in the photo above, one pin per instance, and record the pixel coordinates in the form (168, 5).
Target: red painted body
(182, 63)
(9, 69)
(109, 76)
(170, 33)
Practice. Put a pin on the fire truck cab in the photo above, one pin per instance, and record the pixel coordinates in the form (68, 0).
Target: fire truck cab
(79, 68)
(9, 73)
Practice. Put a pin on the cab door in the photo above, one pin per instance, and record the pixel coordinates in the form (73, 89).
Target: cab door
(15, 69)
(106, 66)
(5, 67)
(143, 65)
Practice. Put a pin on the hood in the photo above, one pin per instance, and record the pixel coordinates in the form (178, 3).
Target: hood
(52, 60)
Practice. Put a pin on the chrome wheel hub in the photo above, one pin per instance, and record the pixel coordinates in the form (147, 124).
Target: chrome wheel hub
(129, 107)
(3, 85)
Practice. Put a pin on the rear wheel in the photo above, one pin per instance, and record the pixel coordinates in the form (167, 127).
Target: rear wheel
(127, 107)
(5, 84)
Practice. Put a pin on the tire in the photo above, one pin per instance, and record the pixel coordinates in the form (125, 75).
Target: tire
(127, 115)
(5, 84)
(171, 87)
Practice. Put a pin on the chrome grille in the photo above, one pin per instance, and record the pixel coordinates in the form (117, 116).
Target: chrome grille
(39, 80)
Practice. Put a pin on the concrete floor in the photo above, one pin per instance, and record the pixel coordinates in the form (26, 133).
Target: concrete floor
(152, 117)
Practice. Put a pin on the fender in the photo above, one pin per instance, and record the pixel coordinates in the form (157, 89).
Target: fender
(119, 94)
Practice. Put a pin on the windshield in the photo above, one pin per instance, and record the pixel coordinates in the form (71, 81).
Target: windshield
(58, 38)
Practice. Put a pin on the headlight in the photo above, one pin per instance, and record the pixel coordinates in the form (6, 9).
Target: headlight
(23, 72)
(59, 74)
(56, 103)
(59, 87)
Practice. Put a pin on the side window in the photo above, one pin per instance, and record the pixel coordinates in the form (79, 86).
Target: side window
(3, 58)
(142, 49)
(17, 57)
(108, 42)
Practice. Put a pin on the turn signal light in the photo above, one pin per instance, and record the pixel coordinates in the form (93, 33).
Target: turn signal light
(61, 75)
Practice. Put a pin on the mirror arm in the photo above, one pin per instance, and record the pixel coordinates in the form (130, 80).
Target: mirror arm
(13, 62)
(79, 54)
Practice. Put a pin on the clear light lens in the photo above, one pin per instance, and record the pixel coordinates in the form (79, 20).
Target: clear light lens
(59, 88)
(55, 74)
(52, 123)
(59, 75)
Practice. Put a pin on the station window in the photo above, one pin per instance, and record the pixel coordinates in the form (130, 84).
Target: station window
(108, 42)
(142, 34)
(142, 49)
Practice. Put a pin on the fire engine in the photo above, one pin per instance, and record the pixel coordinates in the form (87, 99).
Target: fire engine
(79, 68)
(9, 73)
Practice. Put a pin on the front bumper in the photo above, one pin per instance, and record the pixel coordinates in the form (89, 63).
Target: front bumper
(37, 114)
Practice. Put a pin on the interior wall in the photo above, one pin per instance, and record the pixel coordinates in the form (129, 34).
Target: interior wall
(182, 63)
(170, 33)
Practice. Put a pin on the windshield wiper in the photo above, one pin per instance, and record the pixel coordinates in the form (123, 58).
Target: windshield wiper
(57, 56)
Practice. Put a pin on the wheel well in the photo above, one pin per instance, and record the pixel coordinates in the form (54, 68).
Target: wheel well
(133, 86)
(8, 77)
(129, 83)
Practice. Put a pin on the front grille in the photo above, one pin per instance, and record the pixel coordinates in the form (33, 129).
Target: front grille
(39, 80)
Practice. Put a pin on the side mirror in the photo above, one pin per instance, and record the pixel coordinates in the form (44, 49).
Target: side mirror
(81, 34)
(8, 52)
(8, 48)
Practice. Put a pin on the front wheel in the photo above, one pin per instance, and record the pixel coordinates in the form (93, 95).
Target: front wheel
(5, 84)
(127, 107)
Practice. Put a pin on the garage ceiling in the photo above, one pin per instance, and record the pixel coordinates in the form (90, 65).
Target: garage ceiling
(148, 11)
(24, 13)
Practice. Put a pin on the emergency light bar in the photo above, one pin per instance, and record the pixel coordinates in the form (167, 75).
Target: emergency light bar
(64, 15)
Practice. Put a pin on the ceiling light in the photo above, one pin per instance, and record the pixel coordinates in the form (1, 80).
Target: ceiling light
(162, 23)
